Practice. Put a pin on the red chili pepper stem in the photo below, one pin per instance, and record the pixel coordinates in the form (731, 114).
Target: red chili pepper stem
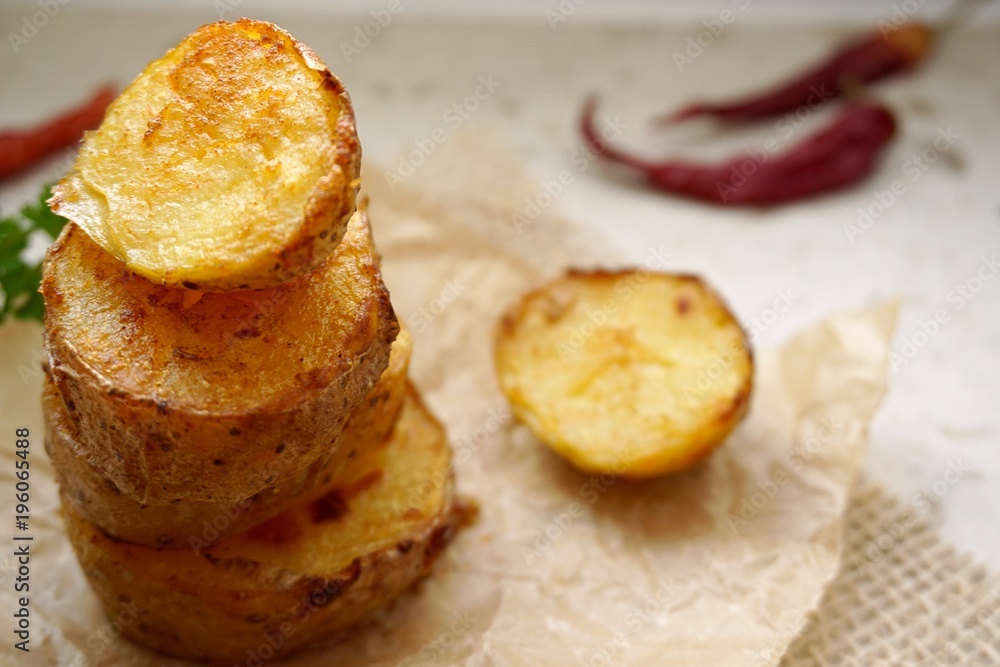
(871, 58)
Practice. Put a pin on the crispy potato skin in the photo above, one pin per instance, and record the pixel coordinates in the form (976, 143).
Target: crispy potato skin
(212, 397)
(629, 372)
(231, 163)
(195, 523)
(300, 577)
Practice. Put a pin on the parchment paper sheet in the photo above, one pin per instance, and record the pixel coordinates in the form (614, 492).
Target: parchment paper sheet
(715, 567)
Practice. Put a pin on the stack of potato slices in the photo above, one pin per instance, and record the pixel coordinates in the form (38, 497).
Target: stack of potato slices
(241, 457)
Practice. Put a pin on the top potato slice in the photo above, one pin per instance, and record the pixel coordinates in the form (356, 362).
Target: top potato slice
(230, 163)
(635, 373)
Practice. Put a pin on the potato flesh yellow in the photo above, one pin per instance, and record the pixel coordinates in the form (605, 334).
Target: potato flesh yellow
(629, 372)
(232, 162)
(304, 575)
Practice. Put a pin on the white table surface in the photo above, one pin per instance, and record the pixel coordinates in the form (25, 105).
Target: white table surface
(942, 408)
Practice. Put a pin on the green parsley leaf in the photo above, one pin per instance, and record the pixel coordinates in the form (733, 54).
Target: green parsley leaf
(41, 216)
(20, 279)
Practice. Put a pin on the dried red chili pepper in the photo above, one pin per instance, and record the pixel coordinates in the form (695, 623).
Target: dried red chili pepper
(19, 149)
(873, 57)
(837, 156)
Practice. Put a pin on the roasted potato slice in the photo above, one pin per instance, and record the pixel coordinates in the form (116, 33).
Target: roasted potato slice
(230, 163)
(631, 372)
(298, 578)
(180, 395)
(197, 524)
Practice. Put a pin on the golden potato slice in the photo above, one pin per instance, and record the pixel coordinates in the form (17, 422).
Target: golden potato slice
(181, 395)
(197, 524)
(230, 163)
(630, 372)
(298, 578)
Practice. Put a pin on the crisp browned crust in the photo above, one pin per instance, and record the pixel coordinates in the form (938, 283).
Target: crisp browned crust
(198, 524)
(212, 397)
(301, 576)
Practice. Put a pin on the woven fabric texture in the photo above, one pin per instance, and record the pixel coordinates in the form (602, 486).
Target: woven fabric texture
(903, 597)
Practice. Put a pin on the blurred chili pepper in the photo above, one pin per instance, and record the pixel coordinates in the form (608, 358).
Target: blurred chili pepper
(875, 56)
(19, 149)
(833, 158)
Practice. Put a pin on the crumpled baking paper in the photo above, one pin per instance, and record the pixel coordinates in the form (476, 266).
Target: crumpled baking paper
(714, 567)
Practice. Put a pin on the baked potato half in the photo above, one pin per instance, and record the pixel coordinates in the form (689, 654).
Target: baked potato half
(298, 578)
(181, 395)
(630, 372)
(197, 524)
(232, 162)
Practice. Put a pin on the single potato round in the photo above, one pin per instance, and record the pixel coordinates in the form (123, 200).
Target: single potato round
(196, 524)
(180, 395)
(634, 373)
(230, 163)
(299, 578)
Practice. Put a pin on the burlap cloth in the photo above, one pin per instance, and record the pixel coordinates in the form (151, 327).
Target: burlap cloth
(902, 597)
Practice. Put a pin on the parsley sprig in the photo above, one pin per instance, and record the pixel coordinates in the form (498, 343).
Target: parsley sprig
(19, 279)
